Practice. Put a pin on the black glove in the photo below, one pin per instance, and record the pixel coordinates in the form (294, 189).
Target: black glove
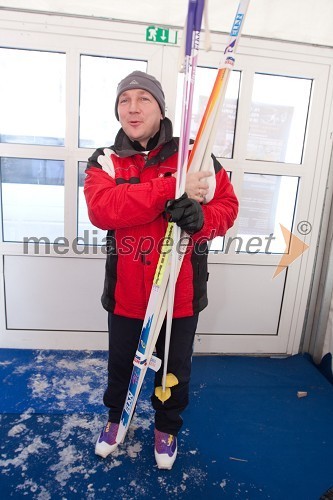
(187, 213)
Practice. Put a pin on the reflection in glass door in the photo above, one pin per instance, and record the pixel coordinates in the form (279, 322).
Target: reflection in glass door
(279, 111)
(267, 201)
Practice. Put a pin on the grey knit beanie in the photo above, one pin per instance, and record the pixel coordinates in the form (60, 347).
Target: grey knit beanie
(141, 80)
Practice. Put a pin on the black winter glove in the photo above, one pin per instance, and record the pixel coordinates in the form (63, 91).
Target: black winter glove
(187, 213)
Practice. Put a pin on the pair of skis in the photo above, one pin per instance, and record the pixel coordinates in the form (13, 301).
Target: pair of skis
(162, 294)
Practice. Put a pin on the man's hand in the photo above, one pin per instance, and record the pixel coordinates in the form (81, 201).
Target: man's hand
(186, 213)
(196, 186)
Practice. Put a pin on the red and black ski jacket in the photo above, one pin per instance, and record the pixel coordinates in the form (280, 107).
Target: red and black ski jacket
(126, 193)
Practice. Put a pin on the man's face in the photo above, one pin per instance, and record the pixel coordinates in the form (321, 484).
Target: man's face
(139, 115)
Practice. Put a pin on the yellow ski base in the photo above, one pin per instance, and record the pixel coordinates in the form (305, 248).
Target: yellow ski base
(171, 380)
(162, 396)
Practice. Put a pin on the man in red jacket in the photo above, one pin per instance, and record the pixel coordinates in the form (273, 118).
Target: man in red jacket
(130, 191)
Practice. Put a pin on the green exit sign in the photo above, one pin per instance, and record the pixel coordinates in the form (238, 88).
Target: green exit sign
(161, 35)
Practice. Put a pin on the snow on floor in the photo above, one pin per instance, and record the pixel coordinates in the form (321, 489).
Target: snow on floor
(47, 449)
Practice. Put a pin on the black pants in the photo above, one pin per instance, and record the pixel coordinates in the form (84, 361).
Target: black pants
(124, 335)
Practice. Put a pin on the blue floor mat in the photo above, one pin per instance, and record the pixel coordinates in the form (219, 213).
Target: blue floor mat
(246, 433)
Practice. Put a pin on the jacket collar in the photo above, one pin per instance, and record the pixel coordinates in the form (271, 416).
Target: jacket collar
(123, 146)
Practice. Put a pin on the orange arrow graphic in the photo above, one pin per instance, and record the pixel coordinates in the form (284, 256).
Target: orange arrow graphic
(296, 248)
